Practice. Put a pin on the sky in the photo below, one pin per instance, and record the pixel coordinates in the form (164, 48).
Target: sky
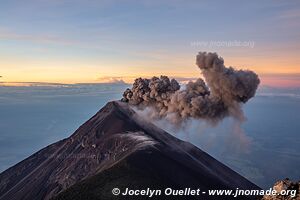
(80, 41)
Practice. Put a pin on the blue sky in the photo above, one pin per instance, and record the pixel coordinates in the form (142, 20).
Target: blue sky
(82, 41)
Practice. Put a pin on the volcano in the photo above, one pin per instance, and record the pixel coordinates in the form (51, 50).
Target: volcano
(116, 148)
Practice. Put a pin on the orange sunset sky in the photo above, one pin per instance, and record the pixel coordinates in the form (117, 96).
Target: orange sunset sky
(105, 41)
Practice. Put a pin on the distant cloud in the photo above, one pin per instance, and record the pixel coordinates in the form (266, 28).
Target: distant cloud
(34, 38)
(34, 84)
(6, 34)
(267, 91)
(184, 80)
(281, 80)
(109, 79)
(130, 79)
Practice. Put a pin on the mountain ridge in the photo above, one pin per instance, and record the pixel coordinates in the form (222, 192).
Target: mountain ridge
(112, 136)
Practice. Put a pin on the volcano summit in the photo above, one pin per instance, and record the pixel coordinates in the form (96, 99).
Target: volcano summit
(116, 148)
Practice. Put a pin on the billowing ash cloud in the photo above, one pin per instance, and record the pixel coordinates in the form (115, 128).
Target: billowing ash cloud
(220, 95)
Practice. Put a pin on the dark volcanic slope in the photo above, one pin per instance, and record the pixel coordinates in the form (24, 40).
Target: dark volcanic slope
(115, 148)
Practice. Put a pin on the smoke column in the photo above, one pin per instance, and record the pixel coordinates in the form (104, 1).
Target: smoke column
(221, 94)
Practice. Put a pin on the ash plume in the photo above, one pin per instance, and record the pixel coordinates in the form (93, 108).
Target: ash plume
(220, 94)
